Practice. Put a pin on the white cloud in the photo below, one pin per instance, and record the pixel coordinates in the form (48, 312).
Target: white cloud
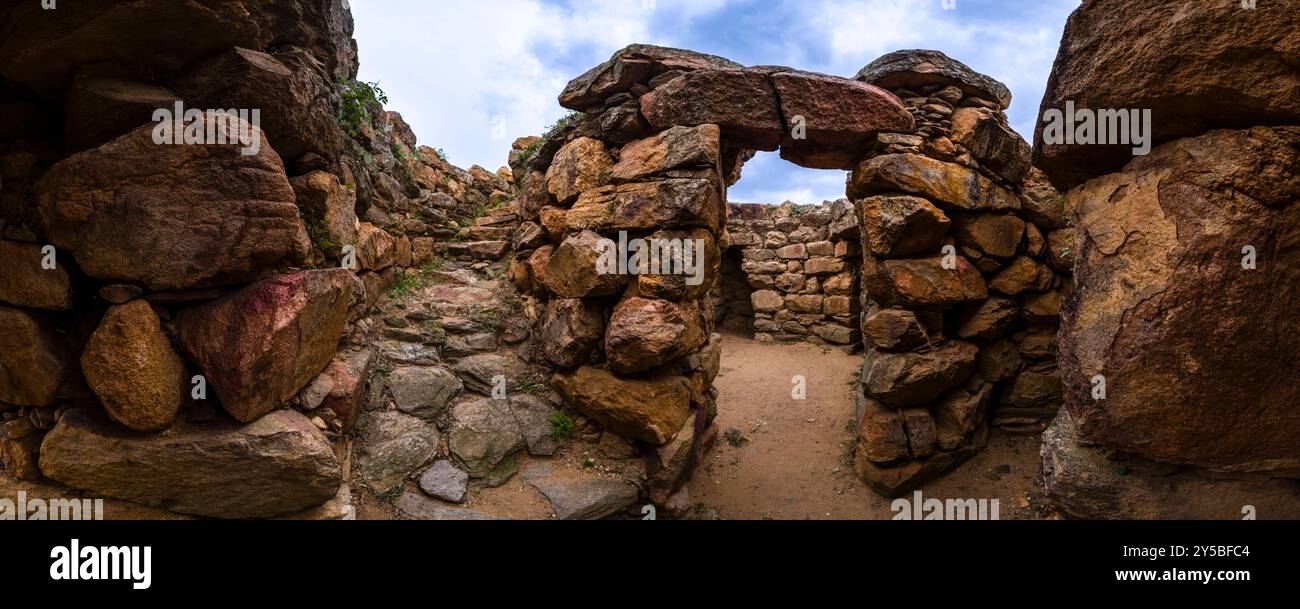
(455, 69)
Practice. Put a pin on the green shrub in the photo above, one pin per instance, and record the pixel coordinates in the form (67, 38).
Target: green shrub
(356, 100)
(562, 426)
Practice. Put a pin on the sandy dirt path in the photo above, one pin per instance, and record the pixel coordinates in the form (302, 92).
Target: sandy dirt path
(794, 461)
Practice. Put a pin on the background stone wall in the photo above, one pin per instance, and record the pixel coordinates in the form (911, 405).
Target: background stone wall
(796, 273)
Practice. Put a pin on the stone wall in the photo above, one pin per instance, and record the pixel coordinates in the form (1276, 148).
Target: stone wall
(185, 326)
(800, 263)
(966, 252)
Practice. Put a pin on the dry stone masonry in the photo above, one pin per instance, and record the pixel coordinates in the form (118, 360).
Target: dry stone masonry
(965, 257)
(791, 273)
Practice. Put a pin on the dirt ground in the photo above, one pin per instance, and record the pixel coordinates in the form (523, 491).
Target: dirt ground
(794, 459)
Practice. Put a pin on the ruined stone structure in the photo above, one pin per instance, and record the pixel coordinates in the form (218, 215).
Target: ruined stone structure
(959, 242)
(338, 318)
(791, 273)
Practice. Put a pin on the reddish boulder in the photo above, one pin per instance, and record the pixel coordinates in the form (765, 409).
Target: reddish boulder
(1196, 65)
(646, 332)
(741, 102)
(571, 328)
(127, 211)
(947, 184)
(635, 64)
(1199, 351)
(26, 282)
(840, 118)
(917, 68)
(651, 410)
(257, 347)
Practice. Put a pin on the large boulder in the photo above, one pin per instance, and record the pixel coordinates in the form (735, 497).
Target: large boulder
(164, 36)
(1198, 353)
(987, 136)
(672, 203)
(131, 366)
(651, 410)
(277, 465)
(647, 332)
(922, 282)
(913, 379)
(840, 118)
(33, 358)
(1195, 65)
(896, 226)
(257, 347)
(290, 89)
(573, 270)
(571, 328)
(916, 68)
(1092, 482)
(26, 282)
(742, 103)
(947, 184)
(127, 211)
(635, 64)
(676, 148)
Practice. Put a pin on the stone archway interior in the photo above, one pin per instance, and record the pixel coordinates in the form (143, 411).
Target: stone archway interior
(958, 243)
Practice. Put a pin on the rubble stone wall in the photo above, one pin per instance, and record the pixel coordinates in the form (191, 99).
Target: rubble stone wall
(800, 264)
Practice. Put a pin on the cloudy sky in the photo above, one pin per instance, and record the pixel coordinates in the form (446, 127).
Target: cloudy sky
(472, 75)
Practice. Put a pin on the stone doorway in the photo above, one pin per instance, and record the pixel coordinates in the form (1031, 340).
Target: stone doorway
(941, 261)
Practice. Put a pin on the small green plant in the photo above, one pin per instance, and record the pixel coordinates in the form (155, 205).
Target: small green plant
(441, 154)
(356, 100)
(319, 233)
(588, 462)
(487, 318)
(532, 149)
(408, 283)
(432, 266)
(562, 426)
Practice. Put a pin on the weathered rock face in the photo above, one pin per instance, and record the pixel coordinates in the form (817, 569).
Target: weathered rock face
(572, 271)
(916, 68)
(1198, 353)
(130, 365)
(257, 347)
(907, 379)
(944, 183)
(895, 226)
(1196, 66)
(651, 410)
(33, 360)
(1096, 483)
(675, 148)
(329, 209)
(647, 332)
(392, 447)
(126, 210)
(26, 282)
(923, 282)
(277, 465)
(741, 102)
(630, 66)
(483, 433)
(840, 118)
(579, 166)
(672, 203)
(41, 53)
(572, 328)
(290, 89)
